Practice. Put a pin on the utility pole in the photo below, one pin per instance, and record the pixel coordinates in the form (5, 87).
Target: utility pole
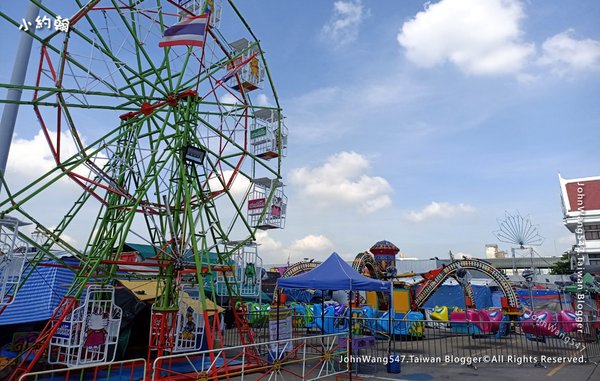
(13, 95)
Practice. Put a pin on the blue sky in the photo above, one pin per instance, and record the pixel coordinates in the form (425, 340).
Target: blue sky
(423, 122)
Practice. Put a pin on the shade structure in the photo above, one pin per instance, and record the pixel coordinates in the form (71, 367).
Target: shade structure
(145, 290)
(334, 274)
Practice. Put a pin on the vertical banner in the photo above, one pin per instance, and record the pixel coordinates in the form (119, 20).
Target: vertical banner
(284, 326)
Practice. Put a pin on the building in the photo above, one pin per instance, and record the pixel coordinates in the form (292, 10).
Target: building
(581, 208)
(541, 265)
(492, 251)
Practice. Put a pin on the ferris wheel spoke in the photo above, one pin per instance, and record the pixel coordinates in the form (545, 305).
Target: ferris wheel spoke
(106, 46)
(239, 215)
(84, 13)
(45, 43)
(139, 46)
(76, 79)
(127, 72)
(50, 92)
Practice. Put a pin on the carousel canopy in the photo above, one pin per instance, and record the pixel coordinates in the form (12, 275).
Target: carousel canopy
(333, 274)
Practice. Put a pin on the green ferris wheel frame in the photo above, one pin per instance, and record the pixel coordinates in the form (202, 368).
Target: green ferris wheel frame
(169, 105)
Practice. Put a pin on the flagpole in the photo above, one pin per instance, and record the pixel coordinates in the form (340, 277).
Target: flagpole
(391, 320)
(350, 354)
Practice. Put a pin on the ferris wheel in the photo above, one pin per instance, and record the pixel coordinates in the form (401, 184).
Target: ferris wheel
(165, 114)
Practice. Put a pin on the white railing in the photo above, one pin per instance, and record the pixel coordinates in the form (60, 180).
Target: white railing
(136, 369)
(307, 358)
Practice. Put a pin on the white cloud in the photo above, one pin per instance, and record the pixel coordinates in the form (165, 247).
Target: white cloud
(31, 158)
(238, 187)
(311, 243)
(267, 243)
(481, 37)
(439, 210)
(263, 100)
(563, 53)
(228, 101)
(344, 24)
(274, 252)
(343, 179)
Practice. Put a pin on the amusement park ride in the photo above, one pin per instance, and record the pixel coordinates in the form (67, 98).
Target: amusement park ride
(409, 298)
(170, 147)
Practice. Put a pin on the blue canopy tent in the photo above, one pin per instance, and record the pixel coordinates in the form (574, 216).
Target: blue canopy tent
(335, 274)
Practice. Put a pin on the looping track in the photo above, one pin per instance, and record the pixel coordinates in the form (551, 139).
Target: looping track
(429, 287)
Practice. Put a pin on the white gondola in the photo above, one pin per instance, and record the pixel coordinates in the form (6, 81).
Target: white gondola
(198, 7)
(189, 333)
(245, 274)
(252, 73)
(89, 335)
(13, 253)
(268, 134)
(274, 215)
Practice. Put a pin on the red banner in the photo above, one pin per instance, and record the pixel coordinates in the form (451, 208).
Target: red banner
(258, 203)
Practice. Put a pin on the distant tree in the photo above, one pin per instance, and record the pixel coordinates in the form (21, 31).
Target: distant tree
(563, 266)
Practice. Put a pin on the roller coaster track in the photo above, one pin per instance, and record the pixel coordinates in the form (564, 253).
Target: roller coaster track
(438, 276)
(295, 269)
(299, 268)
(468, 288)
(367, 260)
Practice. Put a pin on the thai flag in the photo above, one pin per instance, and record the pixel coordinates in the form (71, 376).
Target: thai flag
(235, 66)
(190, 31)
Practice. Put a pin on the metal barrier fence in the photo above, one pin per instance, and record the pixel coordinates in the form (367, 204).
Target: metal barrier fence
(455, 344)
(306, 358)
(312, 355)
(259, 322)
(132, 370)
(442, 342)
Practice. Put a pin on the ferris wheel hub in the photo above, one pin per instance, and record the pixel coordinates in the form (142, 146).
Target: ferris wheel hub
(147, 109)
